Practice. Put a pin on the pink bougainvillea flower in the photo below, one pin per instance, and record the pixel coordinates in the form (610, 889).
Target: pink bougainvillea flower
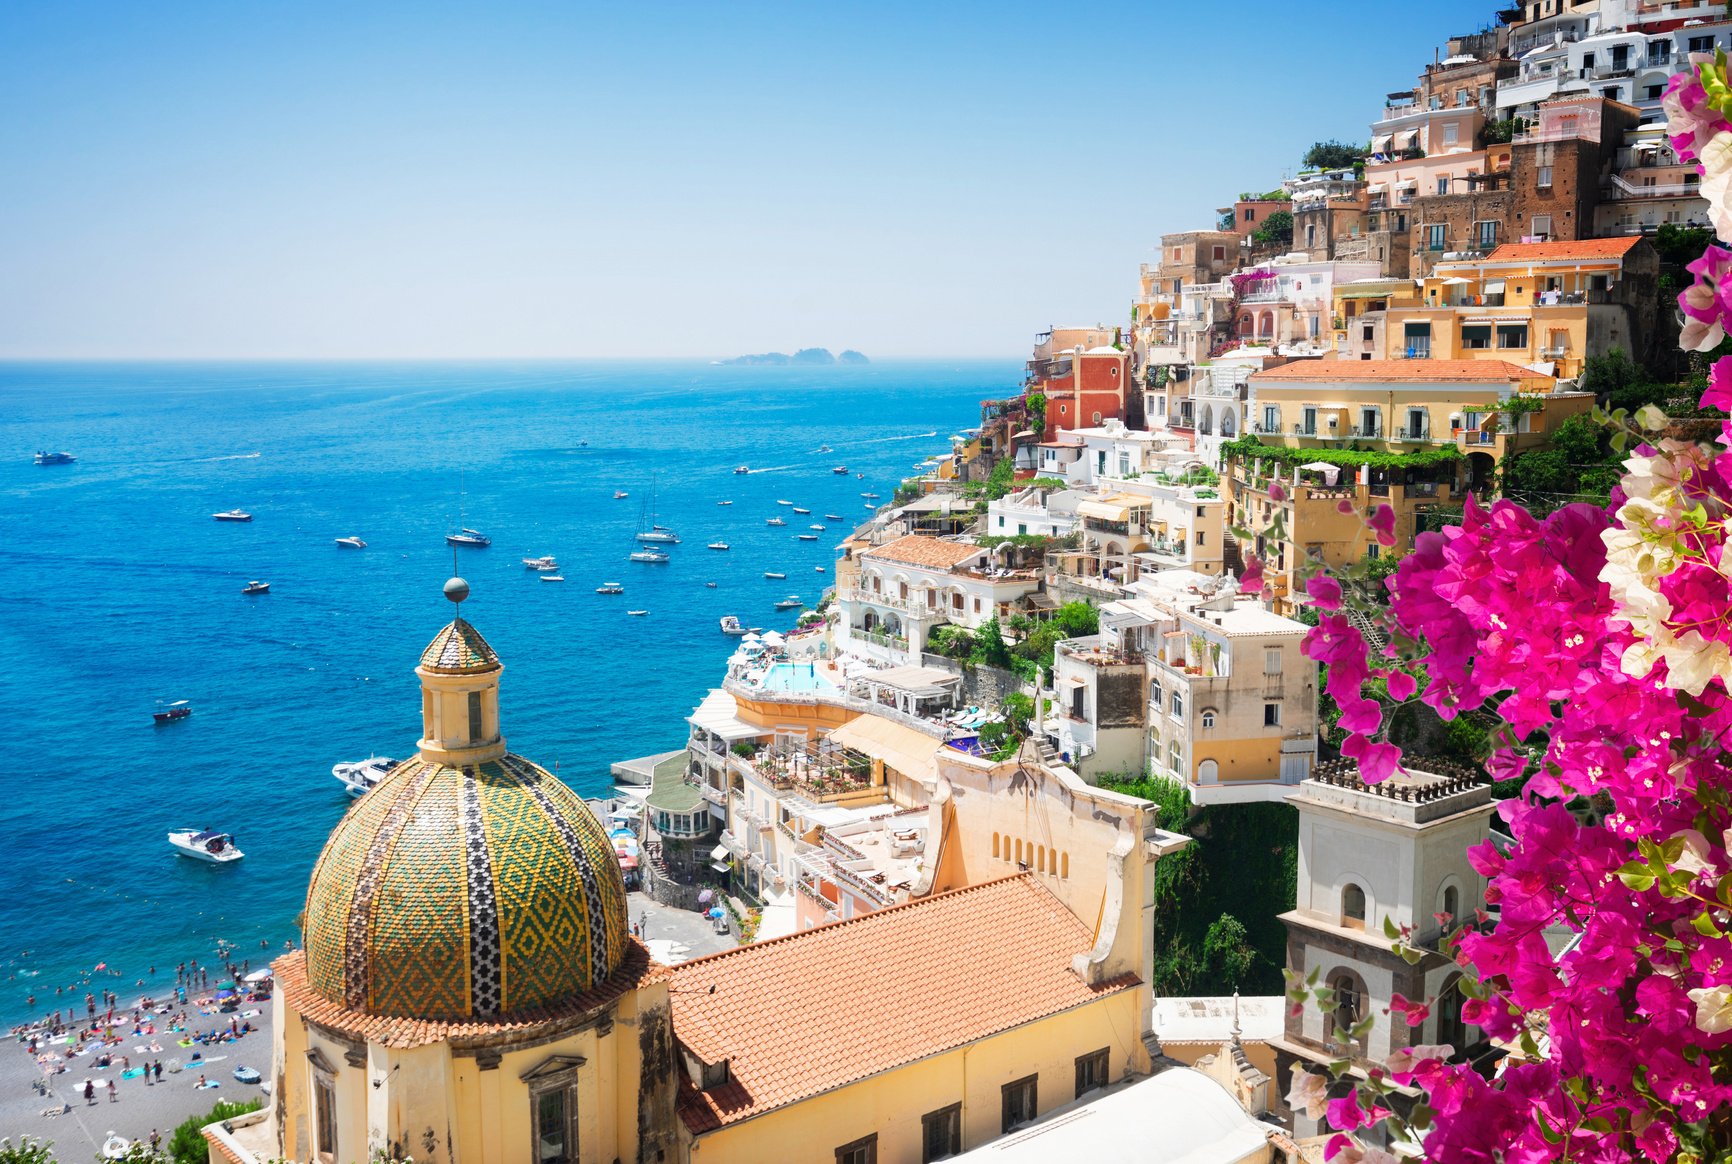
(1252, 579)
(1276, 493)
(1324, 591)
(1382, 523)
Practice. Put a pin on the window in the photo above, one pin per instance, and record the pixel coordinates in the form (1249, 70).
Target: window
(1452, 903)
(1178, 704)
(1349, 1006)
(1020, 1100)
(1175, 758)
(1654, 92)
(1418, 340)
(1701, 44)
(941, 1133)
(1370, 422)
(1352, 907)
(861, 1151)
(1271, 418)
(475, 717)
(1512, 336)
(1542, 227)
(1434, 234)
(1091, 1071)
(1451, 1031)
(1486, 235)
(1250, 215)
(1220, 253)
(1475, 337)
(1416, 422)
(1200, 537)
(325, 1117)
(1443, 185)
(1544, 181)
(1659, 52)
(555, 1142)
(1271, 715)
(1208, 719)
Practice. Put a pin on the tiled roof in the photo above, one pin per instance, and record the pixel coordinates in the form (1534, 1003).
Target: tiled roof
(1587, 248)
(209, 1132)
(795, 1017)
(459, 647)
(923, 551)
(1398, 371)
(636, 969)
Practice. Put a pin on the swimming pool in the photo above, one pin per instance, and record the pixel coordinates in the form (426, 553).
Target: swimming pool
(795, 677)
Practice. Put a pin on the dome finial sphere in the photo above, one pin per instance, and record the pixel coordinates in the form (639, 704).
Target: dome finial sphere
(456, 589)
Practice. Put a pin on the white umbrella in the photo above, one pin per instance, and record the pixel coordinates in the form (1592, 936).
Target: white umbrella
(257, 975)
(774, 638)
(1458, 281)
(749, 639)
(1330, 472)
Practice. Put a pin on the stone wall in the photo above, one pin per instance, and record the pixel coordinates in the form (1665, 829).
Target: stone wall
(982, 686)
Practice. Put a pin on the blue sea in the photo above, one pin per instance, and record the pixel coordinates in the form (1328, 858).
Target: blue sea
(117, 590)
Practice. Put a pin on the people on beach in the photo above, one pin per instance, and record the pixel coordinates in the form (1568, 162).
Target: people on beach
(113, 1093)
(89, 1093)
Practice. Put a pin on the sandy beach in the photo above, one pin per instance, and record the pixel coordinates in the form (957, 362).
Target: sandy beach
(78, 1129)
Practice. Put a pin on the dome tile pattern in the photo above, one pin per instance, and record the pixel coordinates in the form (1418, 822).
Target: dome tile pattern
(459, 648)
(452, 894)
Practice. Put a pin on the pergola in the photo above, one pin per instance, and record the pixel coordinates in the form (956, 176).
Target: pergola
(921, 691)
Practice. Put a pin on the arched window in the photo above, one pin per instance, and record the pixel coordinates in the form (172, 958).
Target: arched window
(1209, 717)
(1451, 1030)
(1451, 906)
(1040, 859)
(1352, 907)
(995, 846)
(1349, 1006)
(1064, 864)
(1019, 850)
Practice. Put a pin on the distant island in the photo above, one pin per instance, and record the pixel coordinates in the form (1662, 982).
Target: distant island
(803, 356)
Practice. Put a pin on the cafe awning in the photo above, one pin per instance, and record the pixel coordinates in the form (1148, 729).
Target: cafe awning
(1494, 286)
(1104, 511)
(1380, 144)
(903, 749)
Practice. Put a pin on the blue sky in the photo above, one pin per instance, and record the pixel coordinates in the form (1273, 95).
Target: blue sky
(560, 179)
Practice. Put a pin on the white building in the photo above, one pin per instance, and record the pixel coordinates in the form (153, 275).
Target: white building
(907, 587)
(1112, 452)
(1287, 304)
(1036, 511)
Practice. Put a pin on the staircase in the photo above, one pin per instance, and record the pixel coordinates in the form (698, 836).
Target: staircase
(1368, 629)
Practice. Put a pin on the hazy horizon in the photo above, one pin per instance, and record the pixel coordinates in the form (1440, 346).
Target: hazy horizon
(550, 181)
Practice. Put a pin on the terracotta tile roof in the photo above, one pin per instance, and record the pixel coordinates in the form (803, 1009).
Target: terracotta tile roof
(1397, 371)
(637, 969)
(1587, 248)
(923, 551)
(793, 1021)
(222, 1147)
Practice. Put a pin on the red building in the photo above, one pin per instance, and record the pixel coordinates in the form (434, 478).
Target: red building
(1095, 388)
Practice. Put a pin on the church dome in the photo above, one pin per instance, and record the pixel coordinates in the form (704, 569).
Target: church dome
(464, 893)
(459, 649)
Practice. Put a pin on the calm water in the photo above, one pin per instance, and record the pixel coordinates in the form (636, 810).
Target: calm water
(118, 590)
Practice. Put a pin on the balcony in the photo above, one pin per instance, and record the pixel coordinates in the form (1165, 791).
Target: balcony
(1372, 432)
(821, 771)
(1095, 652)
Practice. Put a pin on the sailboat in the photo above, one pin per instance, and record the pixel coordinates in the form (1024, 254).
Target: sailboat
(464, 535)
(648, 530)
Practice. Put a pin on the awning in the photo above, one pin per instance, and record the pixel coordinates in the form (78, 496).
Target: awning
(719, 853)
(1407, 184)
(1330, 472)
(910, 752)
(915, 680)
(1380, 144)
(1071, 682)
(1494, 286)
(1410, 139)
(1101, 511)
(1457, 281)
(716, 716)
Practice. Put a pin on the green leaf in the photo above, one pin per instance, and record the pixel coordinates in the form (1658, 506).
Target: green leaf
(1390, 929)
(1636, 877)
(1704, 925)
(1552, 1135)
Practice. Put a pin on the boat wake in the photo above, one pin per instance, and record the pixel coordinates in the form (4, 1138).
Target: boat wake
(774, 469)
(913, 436)
(231, 457)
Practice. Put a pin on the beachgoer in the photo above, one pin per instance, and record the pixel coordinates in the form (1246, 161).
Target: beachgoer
(201, 1081)
(113, 1095)
(155, 1140)
(159, 1070)
(89, 1093)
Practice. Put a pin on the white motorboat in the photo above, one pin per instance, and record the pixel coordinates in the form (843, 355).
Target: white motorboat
(647, 556)
(352, 543)
(731, 625)
(637, 613)
(743, 469)
(553, 577)
(720, 546)
(610, 588)
(819, 528)
(45, 458)
(357, 776)
(205, 845)
(620, 495)
(233, 515)
(805, 512)
(806, 537)
(784, 503)
(832, 517)
(724, 503)
(789, 603)
(775, 521)
(840, 470)
(542, 563)
(774, 574)
(256, 587)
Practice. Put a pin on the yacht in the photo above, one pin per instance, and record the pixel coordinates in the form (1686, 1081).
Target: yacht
(775, 521)
(647, 556)
(610, 588)
(710, 585)
(204, 845)
(840, 470)
(637, 613)
(731, 625)
(233, 515)
(743, 469)
(790, 602)
(870, 496)
(553, 577)
(819, 528)
(806, 512)
(820, 569)
(784, 503)
(352, 543)
(468, 537)
(774, 574)
(806, 537)
(169, 712)
(542, 563)
(648, 531)
(620, 495)
(357, 776)
(43, 458)
(256, 588)
(832, 517)
(719, 546)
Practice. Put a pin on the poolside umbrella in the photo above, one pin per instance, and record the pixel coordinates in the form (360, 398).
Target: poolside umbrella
(774, 639)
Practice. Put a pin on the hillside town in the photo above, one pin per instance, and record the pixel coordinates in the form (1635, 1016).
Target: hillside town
(1025, 830)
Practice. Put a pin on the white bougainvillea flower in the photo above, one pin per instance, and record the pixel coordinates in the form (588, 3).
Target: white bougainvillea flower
(1309, 1093)
(1713, 1008)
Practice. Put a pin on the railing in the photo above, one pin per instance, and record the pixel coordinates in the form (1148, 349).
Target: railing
(1370, 432)
(1622, 189)
(861, 594)
(1412, 434)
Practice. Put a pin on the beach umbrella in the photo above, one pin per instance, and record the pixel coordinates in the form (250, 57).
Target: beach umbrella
(705, 897)
(257, 976)
(716, 912)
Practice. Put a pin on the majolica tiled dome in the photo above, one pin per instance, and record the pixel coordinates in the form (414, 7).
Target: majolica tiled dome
(448, 894)
(459, 649)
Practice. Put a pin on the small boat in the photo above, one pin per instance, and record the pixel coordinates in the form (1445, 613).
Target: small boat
(553, 577)
(358, 776)
(610, 588)
(774, 574)
(806, 537)
(820, 569)
(543, 563)
(789, 603)
(860, 476)
(819, 528)
(620, 495)
(583, 444)
(775, 521)
(233, 515)
(204, 845)
(840, 470)
(711, 585)
(870, 496)
(719, 546)
(832, 517)
(43, 458)
(647, 556)
(352, 543)
(724, 503)
(825, 449)
(784, 503)
(246, 1075)
(256, 588)
(807, 512)
(637, 613)
(731, 625)
(468, 537)
(743, 469)
(168, 713)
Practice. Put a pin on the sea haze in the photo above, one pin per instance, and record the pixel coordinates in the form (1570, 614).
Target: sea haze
(117, 589)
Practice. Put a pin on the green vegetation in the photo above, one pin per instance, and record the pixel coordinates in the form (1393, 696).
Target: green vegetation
(27, 1150)
(1277, 229)
(744, 749)
(1216, 924)
(1038, 639)
(1681, 245)
(1577, 464)
(1049, 483)
(1334, 155)
(1501, 132)
(990, 649)
(1275, 195)
(951, 641)
(187, 1146)
(1036, 402)
(1004, 738)
(1618, 382)
(1003, 476)
(1249, 448)
(907, 491)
